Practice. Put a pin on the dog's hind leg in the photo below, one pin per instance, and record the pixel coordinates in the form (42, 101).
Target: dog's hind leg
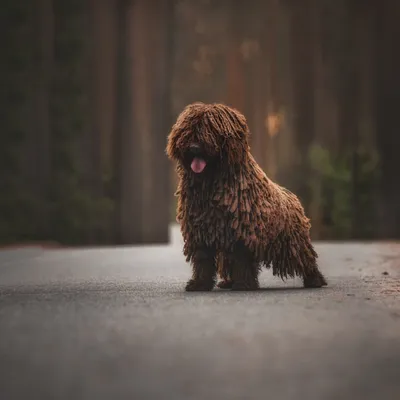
(311, 275)
(204, 271)
(243, 269)
(295, 255)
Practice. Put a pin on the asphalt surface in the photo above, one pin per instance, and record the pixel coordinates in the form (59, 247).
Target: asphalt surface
(116, 324)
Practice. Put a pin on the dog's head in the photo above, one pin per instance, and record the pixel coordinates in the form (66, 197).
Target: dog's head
(206, 137)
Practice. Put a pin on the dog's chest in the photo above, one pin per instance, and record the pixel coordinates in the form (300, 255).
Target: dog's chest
(209, 223)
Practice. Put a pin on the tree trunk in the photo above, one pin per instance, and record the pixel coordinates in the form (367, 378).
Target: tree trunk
(302, 57)
(387, 125)
(104, 31)
(263, 81)
(45, 73)
(98, 145)
(285, 147)
(143, 118)
(349, 114)
(320, 109)
(235, 66)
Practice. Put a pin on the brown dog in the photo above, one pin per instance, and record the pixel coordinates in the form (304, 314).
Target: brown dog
(233, 218)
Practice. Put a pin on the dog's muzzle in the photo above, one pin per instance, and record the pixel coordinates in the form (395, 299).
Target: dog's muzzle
(198, 162)
(195, 149)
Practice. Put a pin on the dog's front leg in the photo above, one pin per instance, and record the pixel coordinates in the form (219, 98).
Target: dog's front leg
(204, 270)
(224, 271)
(243, 269)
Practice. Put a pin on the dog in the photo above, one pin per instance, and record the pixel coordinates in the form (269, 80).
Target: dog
(234, 220)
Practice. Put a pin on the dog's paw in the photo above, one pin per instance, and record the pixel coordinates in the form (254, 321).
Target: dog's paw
(225, 284)
(244, 286)
(199, 286)
(316, 280)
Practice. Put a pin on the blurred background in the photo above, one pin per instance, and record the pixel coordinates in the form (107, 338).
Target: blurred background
(90, 89)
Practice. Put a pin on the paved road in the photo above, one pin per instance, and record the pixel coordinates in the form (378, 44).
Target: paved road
(116, 324)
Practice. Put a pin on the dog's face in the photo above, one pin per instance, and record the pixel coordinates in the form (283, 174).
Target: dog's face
(206, 138)
(197, 160)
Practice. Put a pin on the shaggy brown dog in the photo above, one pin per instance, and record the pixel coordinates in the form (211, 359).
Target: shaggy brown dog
(233, 218)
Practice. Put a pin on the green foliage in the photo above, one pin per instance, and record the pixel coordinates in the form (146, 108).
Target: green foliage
(69, 210)
(79, 216)
(19, 216)
(335, 200)
(367, 189)
(345, 202)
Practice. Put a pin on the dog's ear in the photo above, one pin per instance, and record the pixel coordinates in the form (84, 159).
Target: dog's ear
(172, 149)
(235, 132)
(182, 130)
(236, 150)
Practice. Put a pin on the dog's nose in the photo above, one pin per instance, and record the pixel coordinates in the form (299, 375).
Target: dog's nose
(195, 148)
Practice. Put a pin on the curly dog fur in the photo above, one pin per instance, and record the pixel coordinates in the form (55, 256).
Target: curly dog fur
(233, 218)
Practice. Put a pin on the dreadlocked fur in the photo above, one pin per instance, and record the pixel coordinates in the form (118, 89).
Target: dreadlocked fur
(233, 218)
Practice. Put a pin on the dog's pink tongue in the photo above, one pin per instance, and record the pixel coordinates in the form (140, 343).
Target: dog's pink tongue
(198, 164)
